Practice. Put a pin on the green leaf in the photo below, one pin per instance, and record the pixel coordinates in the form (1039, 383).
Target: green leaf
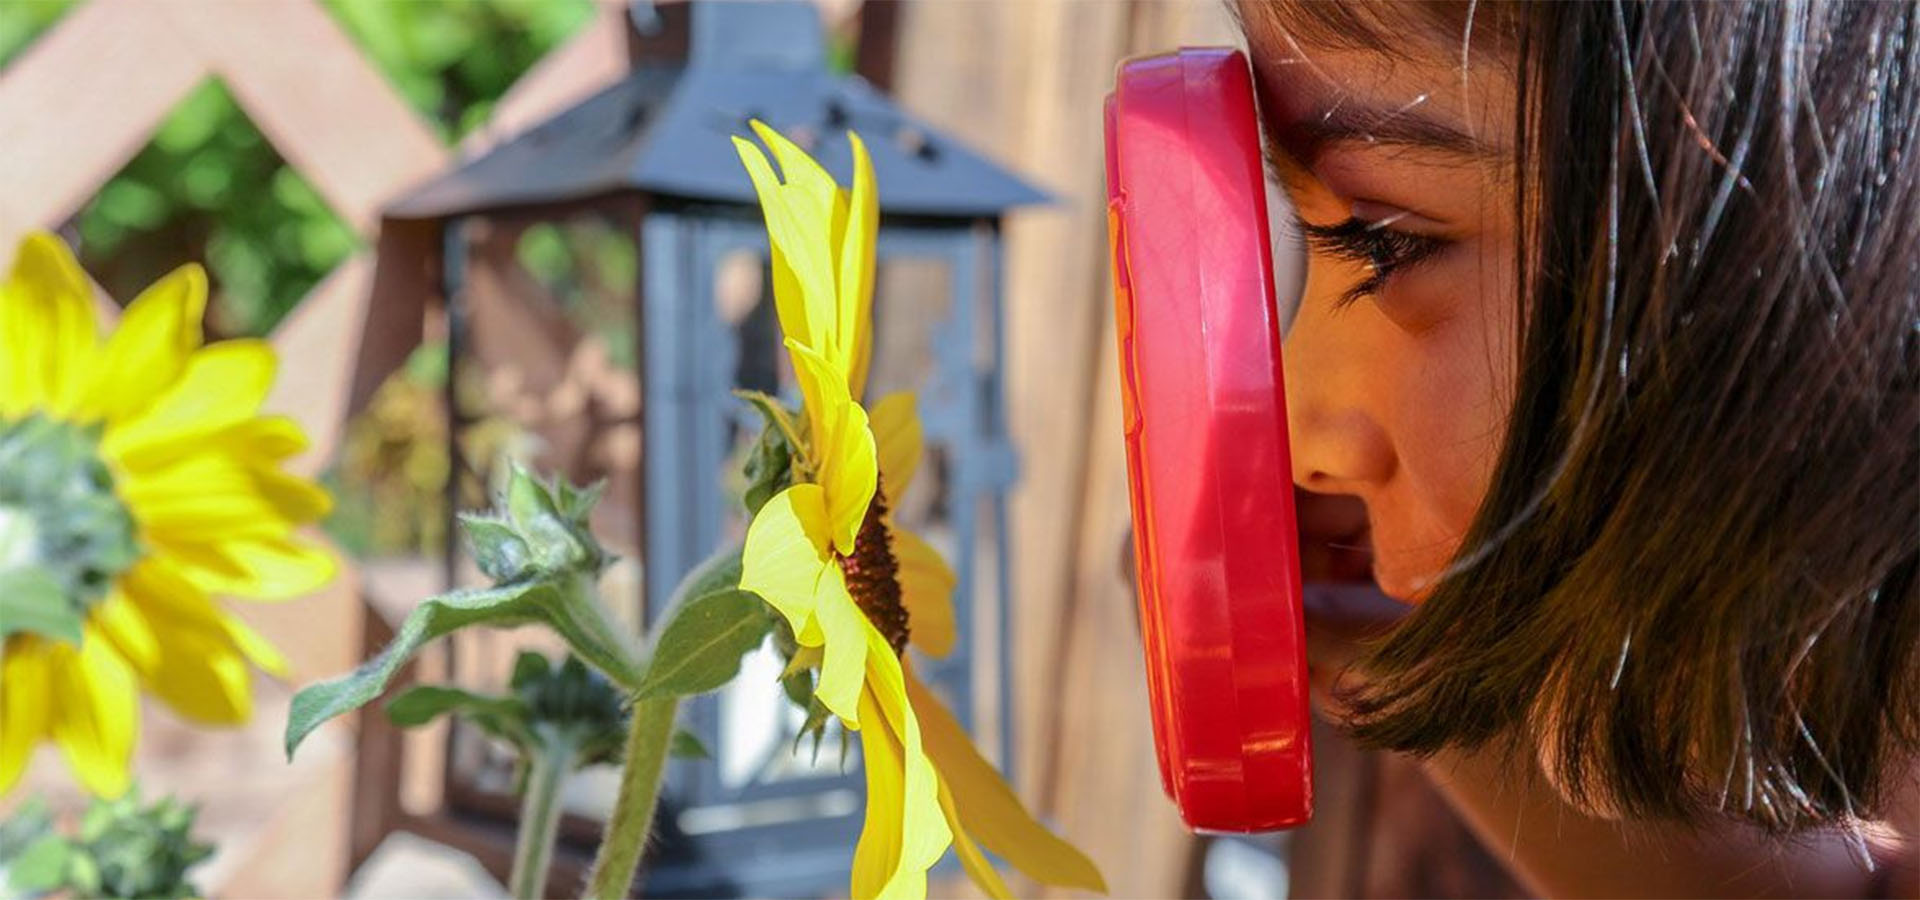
(39, 868)
(685, 745)
(528, 666)
(30, 600)
(700, 647)
(502, 717)
(561, 603)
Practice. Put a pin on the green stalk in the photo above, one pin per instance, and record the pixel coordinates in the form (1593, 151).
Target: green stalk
(632, 820)
(539, 819)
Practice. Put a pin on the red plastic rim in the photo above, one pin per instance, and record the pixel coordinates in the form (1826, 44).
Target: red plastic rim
(1205, 415)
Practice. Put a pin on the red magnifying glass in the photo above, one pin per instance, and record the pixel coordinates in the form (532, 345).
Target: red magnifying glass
(1206, 428)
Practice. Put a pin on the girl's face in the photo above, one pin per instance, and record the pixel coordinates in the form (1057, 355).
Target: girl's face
(1399, 358)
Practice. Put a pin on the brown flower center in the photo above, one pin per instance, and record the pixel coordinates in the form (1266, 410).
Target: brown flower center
(873, 576)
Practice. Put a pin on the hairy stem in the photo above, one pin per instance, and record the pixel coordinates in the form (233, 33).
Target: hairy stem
(632, 820)
(539, 819)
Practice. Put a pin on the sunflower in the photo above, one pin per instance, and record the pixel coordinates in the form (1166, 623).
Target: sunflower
(138, 481)
(856, 588)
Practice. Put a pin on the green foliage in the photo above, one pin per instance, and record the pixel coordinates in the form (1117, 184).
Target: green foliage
(701, 644)
(23, 20)
(124, 849)
(686, 745)
(538, 542)
(209, 186)
(453, 59)
(571, 710)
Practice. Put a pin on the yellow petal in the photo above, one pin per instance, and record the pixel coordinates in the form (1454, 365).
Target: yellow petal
(856, 264)
(844, 647)
(924, 832)
(46, 327)
(123, 623)
(256, 648)
(213, 496)
(170, 602)
(201, 675)
(992, 813)
(157, 334)
(263, 441)
(26, 704)
(843, 448)
(97, 716)
(926, 589)
(971, 859)
(786, 551)
(221, 386)
(799, 256)
(876, 859)
(819, 210)
(258, 568)
(897, 442)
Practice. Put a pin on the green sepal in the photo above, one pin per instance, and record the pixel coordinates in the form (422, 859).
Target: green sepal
(577, 502)
(562, 604)
(768, 471)
(32, 601)
(778, 417)
(771, 463)
(558, 540)
(497, 549)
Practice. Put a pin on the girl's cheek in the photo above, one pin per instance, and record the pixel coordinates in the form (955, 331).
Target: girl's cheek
(1455, 397)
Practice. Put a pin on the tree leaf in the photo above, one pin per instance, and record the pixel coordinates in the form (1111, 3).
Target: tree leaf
(700, 647)
(685, 745)
(30, 600)
(562, 603)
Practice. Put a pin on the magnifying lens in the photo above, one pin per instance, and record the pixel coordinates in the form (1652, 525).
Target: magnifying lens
(1216, 542)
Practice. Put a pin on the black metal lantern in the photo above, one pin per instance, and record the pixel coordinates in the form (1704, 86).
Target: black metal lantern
(648, 159)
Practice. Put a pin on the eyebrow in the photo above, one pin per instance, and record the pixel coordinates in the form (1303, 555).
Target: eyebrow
(1314, 135)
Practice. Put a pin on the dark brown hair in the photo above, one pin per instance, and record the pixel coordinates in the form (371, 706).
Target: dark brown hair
(1692, 582)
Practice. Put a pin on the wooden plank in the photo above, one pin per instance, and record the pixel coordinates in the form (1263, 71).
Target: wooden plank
(80, 102)
(311, 92)
(319, 345)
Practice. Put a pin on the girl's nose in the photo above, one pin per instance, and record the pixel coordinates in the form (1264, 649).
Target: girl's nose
(1338, 444)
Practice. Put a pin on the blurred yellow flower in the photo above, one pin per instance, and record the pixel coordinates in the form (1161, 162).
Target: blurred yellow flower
(138, 480)
(856, 588)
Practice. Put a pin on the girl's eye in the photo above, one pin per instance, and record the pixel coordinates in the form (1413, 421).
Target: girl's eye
(1386, 250)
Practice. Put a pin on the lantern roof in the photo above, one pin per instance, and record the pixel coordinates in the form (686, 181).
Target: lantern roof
(664, 129)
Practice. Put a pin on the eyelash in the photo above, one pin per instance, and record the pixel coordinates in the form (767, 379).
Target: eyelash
(1387, 250)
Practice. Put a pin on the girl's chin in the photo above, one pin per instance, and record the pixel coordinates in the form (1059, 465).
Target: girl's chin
(1401, 584)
